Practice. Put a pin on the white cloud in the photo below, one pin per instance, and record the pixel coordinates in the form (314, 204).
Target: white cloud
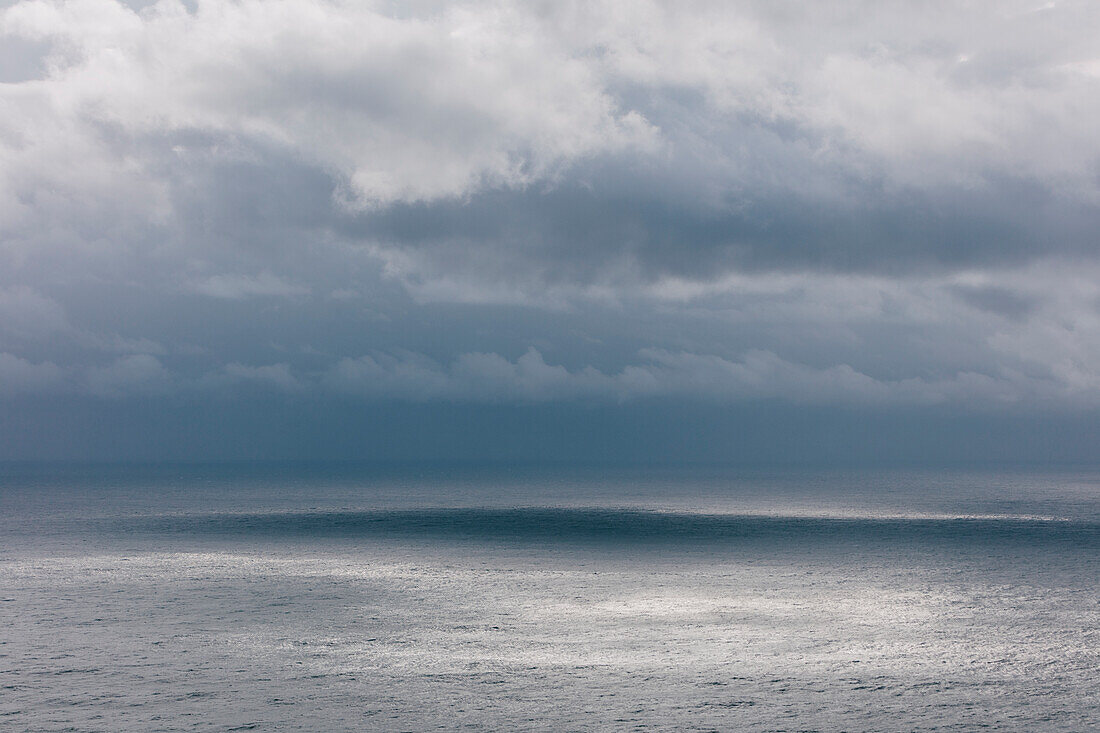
(423, 101)
(401, 107)
(919, 94)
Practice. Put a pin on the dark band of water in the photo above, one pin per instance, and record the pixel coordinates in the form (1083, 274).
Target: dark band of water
(611, 525)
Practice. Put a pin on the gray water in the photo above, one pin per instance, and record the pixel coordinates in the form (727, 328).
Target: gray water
(342, 597)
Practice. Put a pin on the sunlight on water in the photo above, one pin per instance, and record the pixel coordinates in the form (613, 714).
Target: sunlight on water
(555, 616)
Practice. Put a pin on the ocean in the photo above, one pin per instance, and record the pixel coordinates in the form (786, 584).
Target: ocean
(338, 597)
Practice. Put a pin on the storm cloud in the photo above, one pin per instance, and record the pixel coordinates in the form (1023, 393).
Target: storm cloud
(870, 206)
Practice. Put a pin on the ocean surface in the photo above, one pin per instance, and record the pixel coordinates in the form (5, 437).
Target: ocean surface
(348, 597)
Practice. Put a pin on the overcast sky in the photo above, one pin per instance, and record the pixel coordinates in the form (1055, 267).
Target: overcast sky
(523, 221)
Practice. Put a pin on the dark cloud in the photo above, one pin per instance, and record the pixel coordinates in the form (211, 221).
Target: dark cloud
(457, 206)
(593, 226)
(997, 300)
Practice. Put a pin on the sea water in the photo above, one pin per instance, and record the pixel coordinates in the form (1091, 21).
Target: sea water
(346, 597)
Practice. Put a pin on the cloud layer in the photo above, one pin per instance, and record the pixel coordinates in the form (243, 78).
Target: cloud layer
(870, 205)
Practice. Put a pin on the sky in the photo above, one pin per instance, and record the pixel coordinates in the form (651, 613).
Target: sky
(774, 231)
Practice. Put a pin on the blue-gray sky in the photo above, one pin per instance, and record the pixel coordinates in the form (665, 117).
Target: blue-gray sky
(640, 229)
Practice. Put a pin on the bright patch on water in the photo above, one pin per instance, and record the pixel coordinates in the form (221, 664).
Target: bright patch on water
(337, 606)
